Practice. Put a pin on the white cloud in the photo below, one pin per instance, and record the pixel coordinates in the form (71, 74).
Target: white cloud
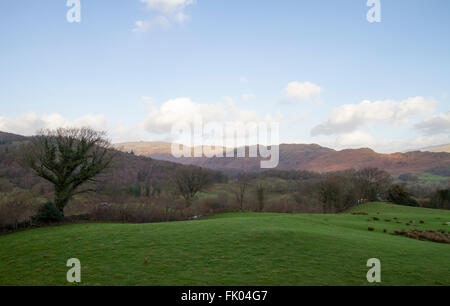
(169, 11)
(184, 110)
(181, 17)
(248, 97)
(168, 6)
(355, 139)
(347, 118)
(302, 91)
(438, 124)
(180, 110)
(29, 124)
(427, 141)
(361, 139)
(148, 25)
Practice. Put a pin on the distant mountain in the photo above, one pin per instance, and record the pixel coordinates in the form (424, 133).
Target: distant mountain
(149, 148)
(144, 148)
(9, 138)
(311, 157)
(441, 148)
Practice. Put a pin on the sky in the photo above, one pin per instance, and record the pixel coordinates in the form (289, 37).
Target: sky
(317, 67)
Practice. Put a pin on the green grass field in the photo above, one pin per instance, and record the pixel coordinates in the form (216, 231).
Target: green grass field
(428, 178)
(234, 249)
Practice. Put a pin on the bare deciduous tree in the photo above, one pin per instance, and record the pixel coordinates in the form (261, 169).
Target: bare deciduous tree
(373, 182)
(338, 191)
(260, 196)
(191, 180)
(243, 181)
(68, 158)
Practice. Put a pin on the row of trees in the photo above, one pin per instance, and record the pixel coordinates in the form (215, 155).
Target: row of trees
(336, 191)
(341, 190)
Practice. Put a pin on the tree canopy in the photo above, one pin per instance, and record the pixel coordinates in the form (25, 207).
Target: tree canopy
(69, 158)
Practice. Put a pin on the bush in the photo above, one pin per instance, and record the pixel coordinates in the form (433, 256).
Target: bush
(140, 212)
(208, 205)
(440, 199)
(48, 213)
(398, 195)
(283, 204)
(15, 207)
(213, 204)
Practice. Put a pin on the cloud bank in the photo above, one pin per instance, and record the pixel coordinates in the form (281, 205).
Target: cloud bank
(184, 110)
(347, 118)
(438, 124)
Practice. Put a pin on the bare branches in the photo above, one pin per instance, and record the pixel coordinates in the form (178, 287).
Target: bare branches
(373, 182)
(68, 158)
(243, 182)
(191, 180)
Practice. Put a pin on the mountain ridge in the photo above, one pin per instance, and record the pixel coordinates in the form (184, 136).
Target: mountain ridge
(310, 157)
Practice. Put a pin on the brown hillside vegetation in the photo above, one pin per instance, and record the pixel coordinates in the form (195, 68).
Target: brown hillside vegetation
(128, 170)
(310, 157)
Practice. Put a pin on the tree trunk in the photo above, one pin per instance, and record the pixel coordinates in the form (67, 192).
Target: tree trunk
(61, 201)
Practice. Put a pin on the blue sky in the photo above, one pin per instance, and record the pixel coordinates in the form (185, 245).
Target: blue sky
(134, 67)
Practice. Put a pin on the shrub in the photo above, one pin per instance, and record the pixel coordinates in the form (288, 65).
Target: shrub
(208, 205)
(48, 213)
(398, 195)
(440, 237)
(283, 204)
(441, 199)
(139, 213)
(15, 207)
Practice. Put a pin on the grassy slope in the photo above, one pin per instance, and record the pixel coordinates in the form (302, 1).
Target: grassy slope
(233, 249)
(428, 178)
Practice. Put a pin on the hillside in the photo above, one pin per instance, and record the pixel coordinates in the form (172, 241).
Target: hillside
(144, 148)
(128, 170)
(10, 138)
(310, 157)
(234, 249)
